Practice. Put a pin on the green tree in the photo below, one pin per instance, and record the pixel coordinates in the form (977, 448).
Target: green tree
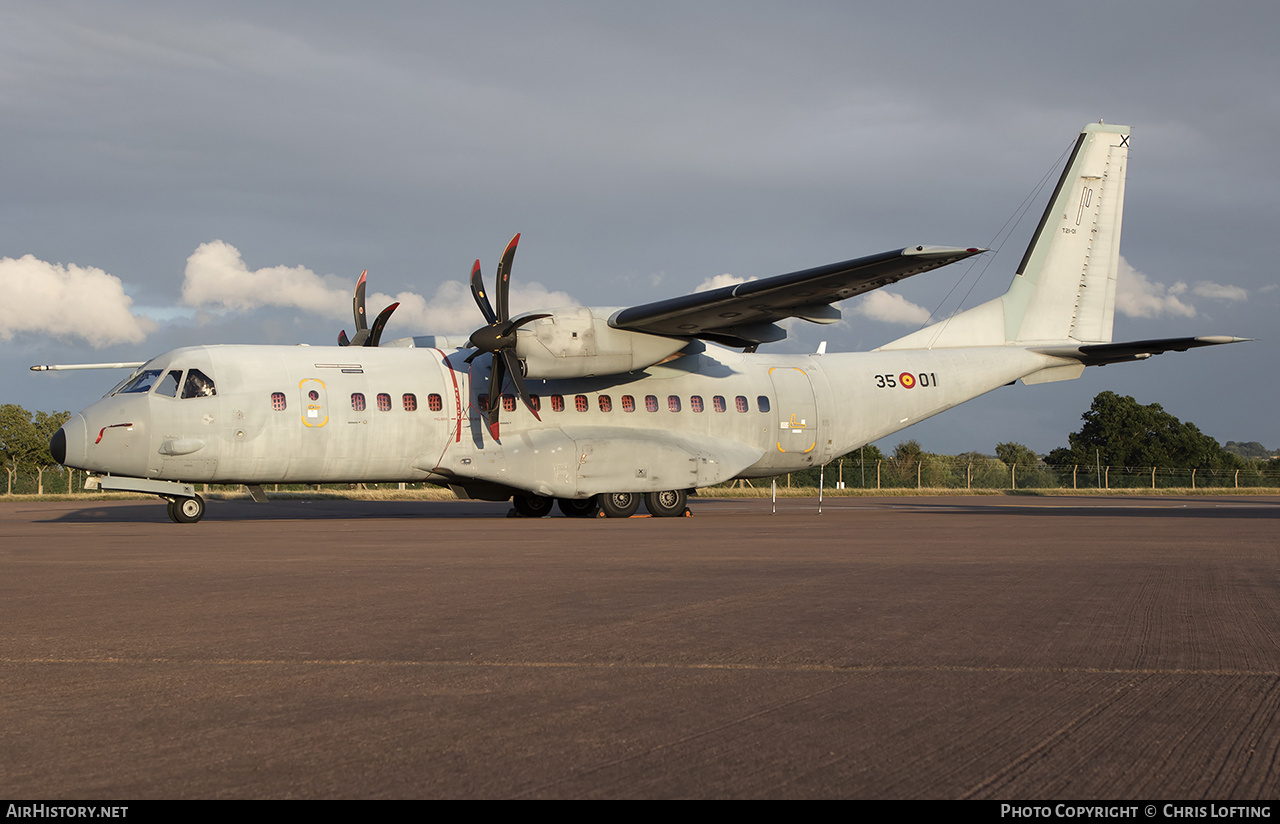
(906, 454)
(24, 438)
(1119, 431)
(1016, 454)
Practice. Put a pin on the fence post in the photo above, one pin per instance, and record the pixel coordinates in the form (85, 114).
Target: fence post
(1193, 478)
(918, 465)
(1074, 468)
(968, 476)
(877, 475)
(1013, 477)
(1108, 477)
(1237, 479)
(1153, 477)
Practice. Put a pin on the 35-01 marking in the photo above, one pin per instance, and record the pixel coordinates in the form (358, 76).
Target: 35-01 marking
(907, 380)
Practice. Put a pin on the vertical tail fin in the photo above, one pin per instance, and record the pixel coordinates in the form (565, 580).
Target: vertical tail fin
(1065, 286)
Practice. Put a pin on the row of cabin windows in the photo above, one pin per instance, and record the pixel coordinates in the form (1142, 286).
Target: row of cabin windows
(408, 400)
(580, 402)
(605, 403)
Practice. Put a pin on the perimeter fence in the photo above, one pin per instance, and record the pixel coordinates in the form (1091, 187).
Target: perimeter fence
(962, 472)
(928, 472)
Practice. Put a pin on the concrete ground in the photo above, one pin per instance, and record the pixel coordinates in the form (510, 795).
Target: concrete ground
(1010, 648)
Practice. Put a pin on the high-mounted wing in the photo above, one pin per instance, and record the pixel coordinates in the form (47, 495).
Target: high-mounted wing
(746, 314)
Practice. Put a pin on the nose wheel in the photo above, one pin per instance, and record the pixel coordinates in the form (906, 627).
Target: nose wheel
(186, 510)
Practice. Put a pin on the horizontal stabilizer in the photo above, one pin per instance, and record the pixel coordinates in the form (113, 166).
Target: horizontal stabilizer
(1099, 354)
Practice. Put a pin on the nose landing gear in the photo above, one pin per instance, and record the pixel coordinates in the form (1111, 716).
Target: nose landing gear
(186, 510)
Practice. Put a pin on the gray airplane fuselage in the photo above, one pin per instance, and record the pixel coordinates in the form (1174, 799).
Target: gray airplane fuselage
(304, 414)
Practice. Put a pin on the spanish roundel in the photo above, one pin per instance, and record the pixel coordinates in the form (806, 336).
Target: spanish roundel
(907, 380)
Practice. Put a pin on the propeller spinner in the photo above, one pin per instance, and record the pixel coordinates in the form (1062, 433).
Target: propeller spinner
(498, 336)
(364, 334)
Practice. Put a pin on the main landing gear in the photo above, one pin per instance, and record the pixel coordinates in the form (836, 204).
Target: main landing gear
(666, 504)
(619, 504)
(186, 510)
(532, 506)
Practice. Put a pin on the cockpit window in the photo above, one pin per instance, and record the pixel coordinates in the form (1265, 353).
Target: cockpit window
(143, 382)
(122, 384)
(168, 385)
(198, 385)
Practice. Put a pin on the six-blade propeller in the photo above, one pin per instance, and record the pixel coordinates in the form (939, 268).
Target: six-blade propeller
(364, 334)
(498, 337)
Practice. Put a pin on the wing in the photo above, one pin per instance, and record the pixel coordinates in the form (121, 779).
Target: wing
(746, 314)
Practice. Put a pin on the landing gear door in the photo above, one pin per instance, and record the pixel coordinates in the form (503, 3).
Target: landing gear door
(314, 402)
(796, 411)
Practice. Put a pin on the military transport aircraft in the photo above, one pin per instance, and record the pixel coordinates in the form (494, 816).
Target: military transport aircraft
(597, 409)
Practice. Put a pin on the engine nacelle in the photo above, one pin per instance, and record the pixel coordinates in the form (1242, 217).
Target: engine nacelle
(579, 343)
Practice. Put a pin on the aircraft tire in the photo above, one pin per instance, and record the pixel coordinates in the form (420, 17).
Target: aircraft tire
(666, 504)
(575, 508)
(188, 510)
(619, 504)
(531, 506)
(173, 510)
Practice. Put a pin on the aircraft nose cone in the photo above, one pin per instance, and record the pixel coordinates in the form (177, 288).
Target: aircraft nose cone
(58, 446)
(68, 444)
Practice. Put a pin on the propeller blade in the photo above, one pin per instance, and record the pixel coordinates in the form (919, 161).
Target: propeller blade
(477, 291)
(375, 333)
(504, 279)
(513, 366)
(523, 319)
(342, 338)
(357, 308)
(496, 379)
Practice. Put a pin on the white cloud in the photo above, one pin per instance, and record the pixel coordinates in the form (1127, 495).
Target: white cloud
(719, 281)
(452, 310)
(1220, 291)
(890, 307)
(68, 302)
(1138, 296)
(218, 277)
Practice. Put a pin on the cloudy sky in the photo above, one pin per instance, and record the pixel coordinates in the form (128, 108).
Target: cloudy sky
(179, 173)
